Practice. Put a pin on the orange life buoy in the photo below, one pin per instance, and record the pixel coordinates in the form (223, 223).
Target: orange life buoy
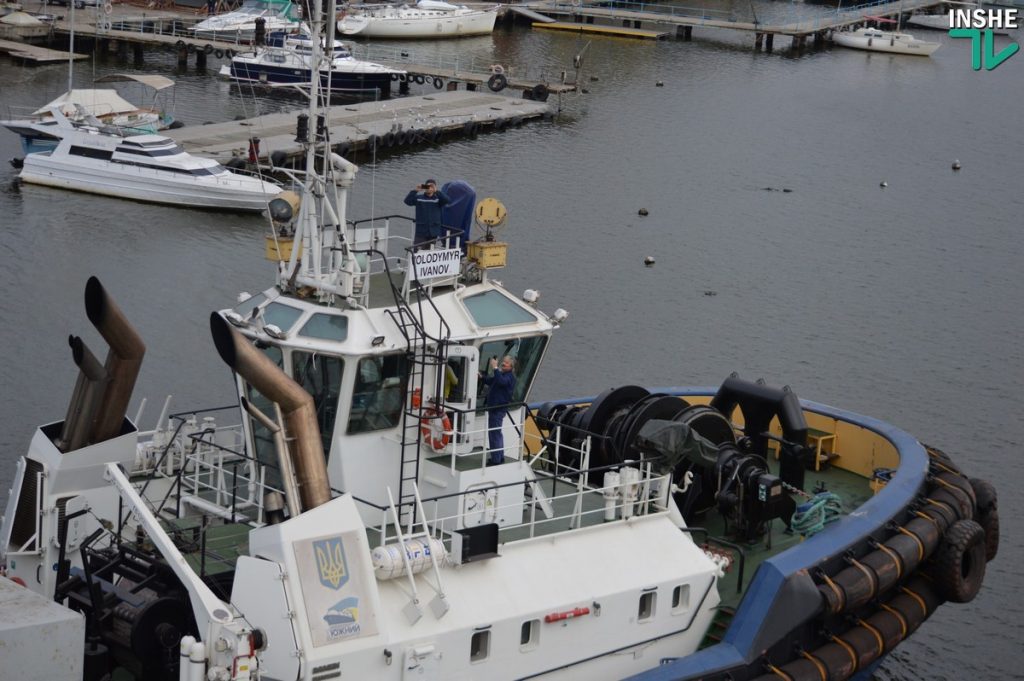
(436, 429)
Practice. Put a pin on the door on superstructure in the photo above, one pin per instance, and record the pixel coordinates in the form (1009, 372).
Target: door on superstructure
(459, 381)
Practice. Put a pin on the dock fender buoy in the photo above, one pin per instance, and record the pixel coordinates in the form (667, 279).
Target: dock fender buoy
(388, 140)
(438, 83)
(180, 44)
(499, 124)
(497, 82)
(207, 48)
(218, 53)
(987, 514)
(373, 142)
(540, 92)
(469, 129)
(435, 134)
(344, 149)
(959, 565)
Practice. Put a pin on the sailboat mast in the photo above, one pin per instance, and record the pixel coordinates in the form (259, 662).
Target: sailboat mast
(71, 50)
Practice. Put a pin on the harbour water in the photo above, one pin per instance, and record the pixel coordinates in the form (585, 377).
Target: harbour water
(902, 302)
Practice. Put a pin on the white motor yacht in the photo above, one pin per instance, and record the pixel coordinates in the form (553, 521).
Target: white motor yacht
(149, 168)
(425, 19)
(240, 25)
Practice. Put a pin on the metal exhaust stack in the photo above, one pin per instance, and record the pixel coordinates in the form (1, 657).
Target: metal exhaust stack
(258, 370)
(85, 400)
(123, 360)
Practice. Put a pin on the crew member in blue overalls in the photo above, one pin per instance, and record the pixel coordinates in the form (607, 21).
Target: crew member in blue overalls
(428, 200)
(503, 382)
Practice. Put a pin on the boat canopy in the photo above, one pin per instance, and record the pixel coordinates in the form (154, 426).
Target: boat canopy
(153, 81)
(97, 102)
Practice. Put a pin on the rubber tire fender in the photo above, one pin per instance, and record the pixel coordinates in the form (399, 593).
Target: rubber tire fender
(181, 44)
(959, 564)
(987, 514)
(388, 140)
(540, 92)
(394, 77)
(435, 134)
(499, 124)
(469, 129)
(418, 79)
(207, 48)
(438, 83)
(229, 53)
(191, 48)
(218, 53)
(497, 82)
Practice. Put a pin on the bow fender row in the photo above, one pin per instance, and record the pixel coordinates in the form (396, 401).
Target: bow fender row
(938, 555)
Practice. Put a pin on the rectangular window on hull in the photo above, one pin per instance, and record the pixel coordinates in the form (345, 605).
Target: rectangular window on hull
(480, 646)
(379, 393)
(89, 152)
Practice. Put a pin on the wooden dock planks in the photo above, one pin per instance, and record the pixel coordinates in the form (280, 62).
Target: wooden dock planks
(36, 54)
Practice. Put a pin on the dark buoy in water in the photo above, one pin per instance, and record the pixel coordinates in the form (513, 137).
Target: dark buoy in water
(649, 261)
(594, 79)
(642, 211)
(18, 162)
(709, 293)
(883, 184)
(659, 84)
(956, 164)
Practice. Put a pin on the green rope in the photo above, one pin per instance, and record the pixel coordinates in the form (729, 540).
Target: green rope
(812, 517)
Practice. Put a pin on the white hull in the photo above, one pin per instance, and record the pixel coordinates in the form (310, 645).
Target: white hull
(235, 192)
(241, 32)
(415, 23)
(884, 41)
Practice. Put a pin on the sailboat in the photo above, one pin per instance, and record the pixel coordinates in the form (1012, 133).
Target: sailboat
(360, 515)
(877, 40)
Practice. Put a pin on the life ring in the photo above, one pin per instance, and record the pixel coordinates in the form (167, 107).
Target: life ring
(497, 82)
(218, 53)
(438, 83)
(959, 564)
(108, 8)
(436, 429)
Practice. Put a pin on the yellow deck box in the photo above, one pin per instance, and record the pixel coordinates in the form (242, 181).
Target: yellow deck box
(488, 254)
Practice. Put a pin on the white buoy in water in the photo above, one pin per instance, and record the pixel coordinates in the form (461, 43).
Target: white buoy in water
(956, 164)
(642, 211)
(883, 184)
(649, 260)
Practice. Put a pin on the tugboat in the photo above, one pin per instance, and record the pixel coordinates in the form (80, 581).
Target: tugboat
(371, 510)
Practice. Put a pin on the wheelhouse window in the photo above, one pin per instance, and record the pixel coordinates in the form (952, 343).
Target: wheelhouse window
(280, 315)
(263, 439)
(379, 393)
(494, 308)
(326, 327)
(526, 353)
(89, 152)
(320, 375)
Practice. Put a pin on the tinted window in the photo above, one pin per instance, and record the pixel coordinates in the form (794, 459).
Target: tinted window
(493, 308)
(281, 315)
(326, 326)
(320, 375)
(379, 393)
(526, 352)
